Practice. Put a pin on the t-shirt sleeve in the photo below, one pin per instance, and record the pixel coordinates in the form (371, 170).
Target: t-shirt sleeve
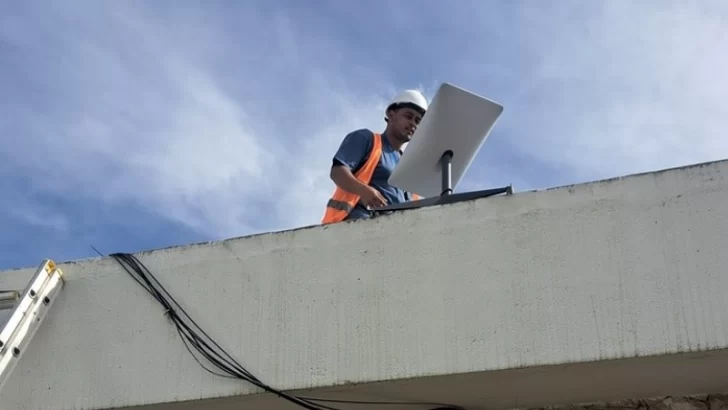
(354, 149)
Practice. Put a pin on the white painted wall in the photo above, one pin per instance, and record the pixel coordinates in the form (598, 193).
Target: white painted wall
(615, 269)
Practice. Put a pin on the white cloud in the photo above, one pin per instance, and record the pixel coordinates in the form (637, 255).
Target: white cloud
(627, 86)
(227, 123)
(33, 213)
(149, 120)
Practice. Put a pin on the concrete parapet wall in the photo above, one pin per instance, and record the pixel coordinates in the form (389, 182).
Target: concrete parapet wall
(515, 301)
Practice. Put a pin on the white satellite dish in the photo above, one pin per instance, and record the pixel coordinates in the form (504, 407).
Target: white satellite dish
(447, 140)
(457, 122)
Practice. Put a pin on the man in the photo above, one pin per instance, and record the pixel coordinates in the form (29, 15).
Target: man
(365, 160)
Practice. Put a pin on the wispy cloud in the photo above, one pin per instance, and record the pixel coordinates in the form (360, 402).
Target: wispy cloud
(143, 115)
(223, 117)
(34, 214)
(619, 87)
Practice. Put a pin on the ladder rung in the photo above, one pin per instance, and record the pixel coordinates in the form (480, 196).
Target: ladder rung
(8, 299)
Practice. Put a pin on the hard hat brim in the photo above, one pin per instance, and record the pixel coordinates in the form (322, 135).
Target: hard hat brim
(395, 106)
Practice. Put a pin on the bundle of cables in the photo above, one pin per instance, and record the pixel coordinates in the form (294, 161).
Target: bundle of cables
(194, 337)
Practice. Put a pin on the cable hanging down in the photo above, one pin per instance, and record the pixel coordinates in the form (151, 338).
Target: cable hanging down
(194, 337)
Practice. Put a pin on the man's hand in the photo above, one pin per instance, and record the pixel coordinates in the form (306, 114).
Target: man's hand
(370, 197)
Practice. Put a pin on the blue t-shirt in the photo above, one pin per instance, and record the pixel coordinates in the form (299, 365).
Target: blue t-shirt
(353, 153)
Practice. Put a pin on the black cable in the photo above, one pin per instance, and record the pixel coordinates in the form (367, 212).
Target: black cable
(193, 336)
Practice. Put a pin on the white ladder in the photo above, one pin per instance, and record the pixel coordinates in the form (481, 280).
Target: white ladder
(29, 310)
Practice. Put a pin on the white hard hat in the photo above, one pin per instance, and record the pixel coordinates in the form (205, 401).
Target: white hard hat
(410, 98)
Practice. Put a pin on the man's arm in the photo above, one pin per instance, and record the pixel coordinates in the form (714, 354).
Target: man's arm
(342, 176)
(351, 155)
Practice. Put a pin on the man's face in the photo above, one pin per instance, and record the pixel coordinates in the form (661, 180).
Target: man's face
(404, 122)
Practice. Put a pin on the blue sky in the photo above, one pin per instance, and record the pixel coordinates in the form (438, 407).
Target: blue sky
(135, 125)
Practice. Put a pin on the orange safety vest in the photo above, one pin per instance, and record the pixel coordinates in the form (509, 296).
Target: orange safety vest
(343, 202)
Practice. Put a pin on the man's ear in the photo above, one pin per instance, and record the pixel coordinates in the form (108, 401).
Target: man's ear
(389, 114)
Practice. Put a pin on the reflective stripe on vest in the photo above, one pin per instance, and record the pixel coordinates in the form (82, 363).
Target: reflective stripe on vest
(339, 205)
(343, 202)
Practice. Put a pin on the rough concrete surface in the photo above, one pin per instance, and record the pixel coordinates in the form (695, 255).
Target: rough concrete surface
(703, 402)
(595, 292)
